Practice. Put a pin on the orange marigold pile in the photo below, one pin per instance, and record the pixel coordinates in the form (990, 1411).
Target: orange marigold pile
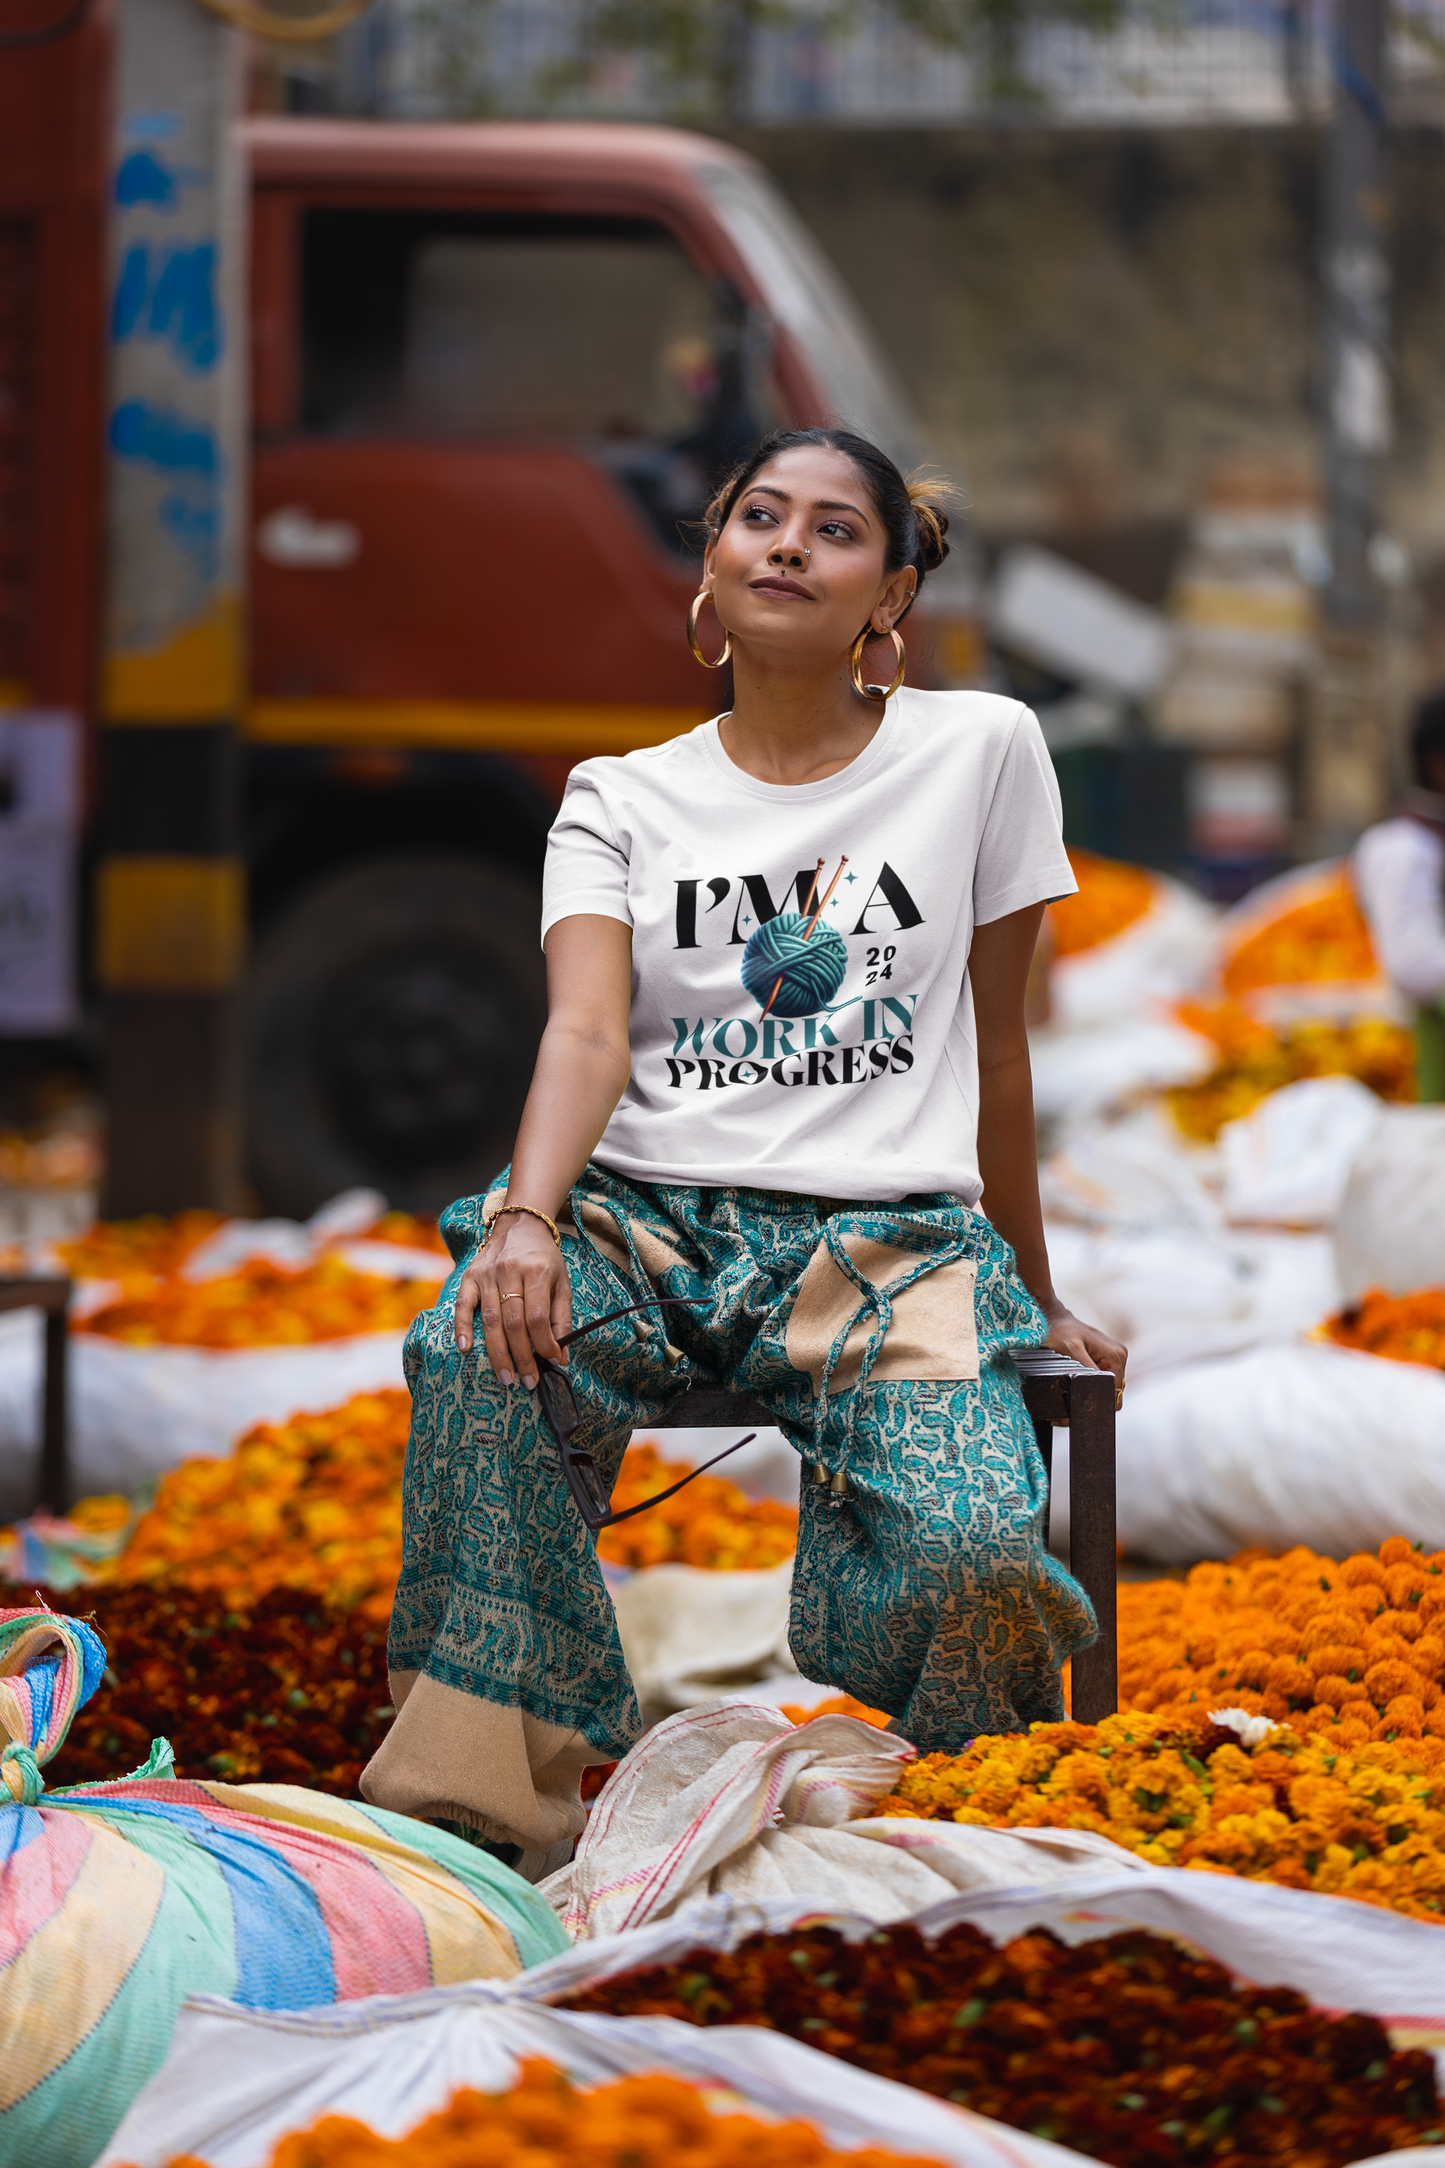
(1406, 1328)
(310, 1504)
(547, 2122)
(138, 1250)
(711, 1523)
(260, 1305)
(1355, 1650)
(1323, 937)
(1352, 1817)
(1111, 896)
(1255, 1061)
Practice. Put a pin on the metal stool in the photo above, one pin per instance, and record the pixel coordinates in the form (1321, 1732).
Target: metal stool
(53, 1297)
(1056, 1390)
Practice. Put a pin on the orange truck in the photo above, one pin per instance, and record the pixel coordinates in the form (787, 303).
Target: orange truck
(495, 371)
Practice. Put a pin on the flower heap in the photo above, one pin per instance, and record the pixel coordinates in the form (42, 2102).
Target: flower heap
(546, 2122)
(1111, 897)
(310, 1504)
(1255, 1061)
(1354, 1651)
(289, 1691)
(1364, 1821)
(1321, 938)
(1405, 1328)
(1130, 2048)
(712, 1523)
(259, 1305)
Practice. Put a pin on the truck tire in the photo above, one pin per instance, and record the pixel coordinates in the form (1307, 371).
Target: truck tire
(393, 1017)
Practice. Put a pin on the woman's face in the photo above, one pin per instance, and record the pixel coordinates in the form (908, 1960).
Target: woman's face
(798, 568)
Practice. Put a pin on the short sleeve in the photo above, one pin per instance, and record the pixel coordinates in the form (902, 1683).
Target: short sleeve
(587, 866)
(1021, 857)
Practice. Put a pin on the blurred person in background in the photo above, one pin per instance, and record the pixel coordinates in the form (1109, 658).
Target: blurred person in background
(1399, 876)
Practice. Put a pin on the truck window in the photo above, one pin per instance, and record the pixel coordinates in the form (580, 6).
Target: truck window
(600, 333)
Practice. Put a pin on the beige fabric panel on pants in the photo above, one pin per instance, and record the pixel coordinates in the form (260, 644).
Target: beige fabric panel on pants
(933, 1333)
(529, 1771)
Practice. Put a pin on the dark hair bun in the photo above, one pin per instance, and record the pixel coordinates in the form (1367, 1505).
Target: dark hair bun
(928, 496)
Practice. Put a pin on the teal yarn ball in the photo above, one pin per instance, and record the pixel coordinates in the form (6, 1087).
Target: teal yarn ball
(811, 971)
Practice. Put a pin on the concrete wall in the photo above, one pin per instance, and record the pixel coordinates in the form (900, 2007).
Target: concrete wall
(1091, 322)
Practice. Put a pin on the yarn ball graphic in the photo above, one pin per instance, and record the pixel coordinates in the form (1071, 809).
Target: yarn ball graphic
(811, 971)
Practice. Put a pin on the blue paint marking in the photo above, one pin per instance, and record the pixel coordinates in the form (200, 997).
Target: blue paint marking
(158, 437)
(171, 298)
(283, 1951)
(142, 178)
(193, 522)
(155, 127)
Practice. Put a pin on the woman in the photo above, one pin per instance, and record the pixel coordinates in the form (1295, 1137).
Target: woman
(770, 947)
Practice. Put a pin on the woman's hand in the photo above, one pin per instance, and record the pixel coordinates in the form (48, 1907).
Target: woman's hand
(1068, 1335)
(519, 1288)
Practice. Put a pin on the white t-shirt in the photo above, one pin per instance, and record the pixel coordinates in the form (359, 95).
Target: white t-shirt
(860, 1079)
(1399, 869)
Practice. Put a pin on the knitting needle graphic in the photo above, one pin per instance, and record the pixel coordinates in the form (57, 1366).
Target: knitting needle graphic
(812, 922)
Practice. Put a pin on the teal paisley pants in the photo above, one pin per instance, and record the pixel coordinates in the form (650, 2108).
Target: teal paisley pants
(875, 1335)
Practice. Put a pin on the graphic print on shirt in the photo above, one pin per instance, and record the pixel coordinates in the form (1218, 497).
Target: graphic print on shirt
(794, 967)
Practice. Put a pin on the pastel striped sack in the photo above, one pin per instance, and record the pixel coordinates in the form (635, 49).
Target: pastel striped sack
(119, 1900)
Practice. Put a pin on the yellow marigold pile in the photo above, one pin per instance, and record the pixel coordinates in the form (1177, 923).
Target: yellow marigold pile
(546, 2122)
(260, 1305)
(1322, 937)
(310, 1504)
(1361, 1819)
(1355, 1650)
(1255, 1061)
(1406, 1328)
(711, 1523)
(1110, 897)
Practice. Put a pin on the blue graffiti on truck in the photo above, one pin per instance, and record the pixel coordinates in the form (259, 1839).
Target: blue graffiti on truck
(185, 451)
(170, 295)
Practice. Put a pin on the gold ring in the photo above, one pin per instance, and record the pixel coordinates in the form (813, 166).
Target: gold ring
(514, 1298)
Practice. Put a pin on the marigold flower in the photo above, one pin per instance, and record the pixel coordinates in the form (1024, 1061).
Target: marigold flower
(1111, 896)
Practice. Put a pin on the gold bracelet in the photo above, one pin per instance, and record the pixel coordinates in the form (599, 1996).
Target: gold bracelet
(531, 1209)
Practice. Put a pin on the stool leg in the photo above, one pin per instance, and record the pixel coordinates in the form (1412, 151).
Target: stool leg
(1044, 1437)
(1093, 1543)
(54, 1460)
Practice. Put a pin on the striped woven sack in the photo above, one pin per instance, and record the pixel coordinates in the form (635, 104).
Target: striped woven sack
(118, 1900)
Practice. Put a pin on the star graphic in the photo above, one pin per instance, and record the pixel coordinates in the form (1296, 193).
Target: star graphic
(850, 878)
(746, 920)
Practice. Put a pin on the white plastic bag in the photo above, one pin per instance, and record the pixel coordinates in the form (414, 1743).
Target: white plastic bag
(136, 1412)
(691, 1635)
(1083, 1072)
(1391, 1227)
(237, 2080)
(1166, 953)
(1291, 1442)
(1289, 1159)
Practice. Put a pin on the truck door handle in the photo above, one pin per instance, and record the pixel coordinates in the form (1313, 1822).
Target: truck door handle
(291, 536)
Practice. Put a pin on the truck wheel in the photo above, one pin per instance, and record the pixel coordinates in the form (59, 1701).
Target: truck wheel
(393, 1019)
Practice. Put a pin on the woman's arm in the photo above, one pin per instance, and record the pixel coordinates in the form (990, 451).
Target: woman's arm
(998, 969)
(582, 1069)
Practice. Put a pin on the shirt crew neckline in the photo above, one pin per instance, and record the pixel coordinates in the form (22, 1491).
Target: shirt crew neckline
(801, 793)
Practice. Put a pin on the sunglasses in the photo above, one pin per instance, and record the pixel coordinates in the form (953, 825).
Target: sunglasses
(559, 1409)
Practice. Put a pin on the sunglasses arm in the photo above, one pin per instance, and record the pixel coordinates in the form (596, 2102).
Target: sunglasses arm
(672, 1490)
(654, 1302)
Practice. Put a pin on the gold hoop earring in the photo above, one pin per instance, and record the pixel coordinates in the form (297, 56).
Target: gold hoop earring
(855, 663)
(698, 600)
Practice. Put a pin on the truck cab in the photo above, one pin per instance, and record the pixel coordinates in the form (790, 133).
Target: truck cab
(498, 370)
